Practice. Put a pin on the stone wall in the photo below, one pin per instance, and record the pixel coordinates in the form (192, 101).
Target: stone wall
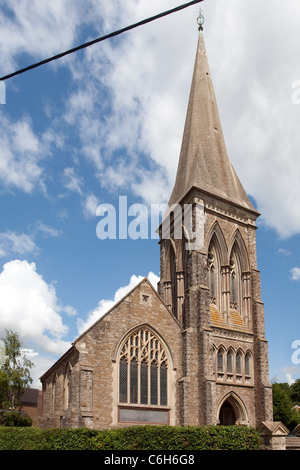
(93, 400)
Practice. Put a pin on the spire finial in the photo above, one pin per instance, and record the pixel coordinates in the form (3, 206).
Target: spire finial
(200, 20)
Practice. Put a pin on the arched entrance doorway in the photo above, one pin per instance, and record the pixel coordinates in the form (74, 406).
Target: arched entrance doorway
(227, 415)
(231, 410)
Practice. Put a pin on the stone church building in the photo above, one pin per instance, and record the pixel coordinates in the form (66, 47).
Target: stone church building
(193, 351)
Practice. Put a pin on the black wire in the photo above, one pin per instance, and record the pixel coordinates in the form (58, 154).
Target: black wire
(103, 38)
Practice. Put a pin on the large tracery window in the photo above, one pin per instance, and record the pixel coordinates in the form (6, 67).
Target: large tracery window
(143, 370)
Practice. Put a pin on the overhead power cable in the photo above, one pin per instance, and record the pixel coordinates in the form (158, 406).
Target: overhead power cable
(102, 38)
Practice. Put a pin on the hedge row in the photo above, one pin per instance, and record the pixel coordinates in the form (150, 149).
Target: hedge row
(132, 438)
(14, 418)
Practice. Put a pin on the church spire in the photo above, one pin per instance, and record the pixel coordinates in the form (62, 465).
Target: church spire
(203, 161)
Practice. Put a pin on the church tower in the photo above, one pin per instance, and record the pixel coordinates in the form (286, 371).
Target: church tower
(209, 276)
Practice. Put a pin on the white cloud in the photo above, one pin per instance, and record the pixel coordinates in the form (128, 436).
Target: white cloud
(12, 243)
(46, 230)
(295, 272)
(147, 76)
(290, 378)
(21, 154)
(16, 244)
(38, 28)
(90, 205)
(69, 310)
(126, 105)
(284, 251)
(30, 306)
(287, 374)
(72, 181)
(260, 121)
(105, 305)
(129, 96)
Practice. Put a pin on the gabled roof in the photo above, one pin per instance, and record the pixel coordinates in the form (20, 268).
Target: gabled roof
(143, 281)
(203, 161)
(274, 428)
(73, 347)
(296, 431)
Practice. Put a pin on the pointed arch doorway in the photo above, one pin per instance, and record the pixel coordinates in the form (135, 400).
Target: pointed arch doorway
(227, 416)
(232, 411)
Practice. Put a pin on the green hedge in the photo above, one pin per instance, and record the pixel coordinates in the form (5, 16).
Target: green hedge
(132, 438)
(14, 418)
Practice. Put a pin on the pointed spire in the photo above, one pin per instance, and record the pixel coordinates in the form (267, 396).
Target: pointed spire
(203, 161)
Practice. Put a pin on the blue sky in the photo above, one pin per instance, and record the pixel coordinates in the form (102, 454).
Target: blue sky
(107, 122)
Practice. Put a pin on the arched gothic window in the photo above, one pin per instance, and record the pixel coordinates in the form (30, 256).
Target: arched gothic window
(213, 266)
(220, 360)
(143, 370)
(212, 276)
(54, 385)
(229, 362)
(235, 281)
(173, 280)
(233, 367)
(67, 377)
(238, 363)
(248, 364)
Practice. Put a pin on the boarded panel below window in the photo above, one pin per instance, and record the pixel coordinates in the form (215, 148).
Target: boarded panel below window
(134, 415)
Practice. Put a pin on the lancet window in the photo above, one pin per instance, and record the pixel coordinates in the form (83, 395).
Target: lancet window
(213, 275)
(235, 282)
(233, 366)
(220, 360)
(66, 385)
(229, 362)
(238, 364)
(173, 281)
(248, 364)
(54, 391)
(143, 370)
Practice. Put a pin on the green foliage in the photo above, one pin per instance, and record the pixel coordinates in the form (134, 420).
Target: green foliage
(14, 418)
(281, 403)
(284, 397)
(13, 438)
(132, 438)
(179, 438)
(68, 439)
(295, 392)
(3, 387)
(14, 372)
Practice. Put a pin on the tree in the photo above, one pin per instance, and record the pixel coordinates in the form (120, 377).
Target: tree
(295, 392)
(3, 387)
(283, 404)
(14, 372)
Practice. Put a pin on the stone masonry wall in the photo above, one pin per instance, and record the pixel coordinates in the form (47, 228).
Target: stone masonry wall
(94, 378)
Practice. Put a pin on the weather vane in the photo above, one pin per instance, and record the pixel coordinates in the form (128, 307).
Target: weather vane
(200, 20)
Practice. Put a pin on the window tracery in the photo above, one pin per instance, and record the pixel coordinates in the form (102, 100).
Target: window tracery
(143, 370)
